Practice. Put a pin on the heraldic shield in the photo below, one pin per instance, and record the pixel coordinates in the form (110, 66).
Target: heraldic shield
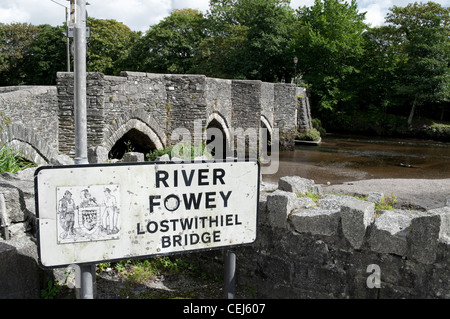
(89, 219)
(88, 213)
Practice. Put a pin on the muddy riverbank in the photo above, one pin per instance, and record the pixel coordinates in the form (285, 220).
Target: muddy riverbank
(416, 171)
(339, 159)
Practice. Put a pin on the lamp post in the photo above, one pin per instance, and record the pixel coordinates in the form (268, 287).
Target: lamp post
(295, 70)
(67, 36)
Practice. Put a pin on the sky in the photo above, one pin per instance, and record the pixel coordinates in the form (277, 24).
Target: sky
(139, 15)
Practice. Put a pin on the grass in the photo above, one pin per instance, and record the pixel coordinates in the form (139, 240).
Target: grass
(13, 161)
(386, 203)
(314, 196)
(141, 270)
(174, 279)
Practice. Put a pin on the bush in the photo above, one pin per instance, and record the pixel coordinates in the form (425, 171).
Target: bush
(311, 135)
(185, 151)
(317, 124)
(157, 153)
(439, 131)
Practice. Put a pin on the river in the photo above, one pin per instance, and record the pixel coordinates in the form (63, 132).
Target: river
(340, 159)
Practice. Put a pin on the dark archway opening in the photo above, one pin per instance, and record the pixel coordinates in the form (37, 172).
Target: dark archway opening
(216, 140)
(133, 141)
(266, 142)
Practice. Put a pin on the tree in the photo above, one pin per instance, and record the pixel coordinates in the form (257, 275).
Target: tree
(15, 39)
(248, 39)
(109, 46)
(423, 34)
(169, 46)
(329, 44)
(46, 56)
(220, 55)
(378, 69)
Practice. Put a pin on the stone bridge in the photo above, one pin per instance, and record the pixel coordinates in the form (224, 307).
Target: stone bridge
(142, 110)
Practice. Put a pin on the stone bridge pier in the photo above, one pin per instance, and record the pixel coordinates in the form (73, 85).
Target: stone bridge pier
(144, 111)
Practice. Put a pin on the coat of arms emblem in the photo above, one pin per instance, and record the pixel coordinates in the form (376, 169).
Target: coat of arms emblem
(88, 213)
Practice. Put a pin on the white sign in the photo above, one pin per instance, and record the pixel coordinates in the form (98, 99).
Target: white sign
(97, 213)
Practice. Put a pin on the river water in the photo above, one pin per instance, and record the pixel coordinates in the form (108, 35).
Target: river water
(340, 159)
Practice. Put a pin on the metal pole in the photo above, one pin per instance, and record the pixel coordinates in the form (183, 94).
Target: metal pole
(3, 219)
(67, 41)
(230, 270)
(80, 85)
(87, 272)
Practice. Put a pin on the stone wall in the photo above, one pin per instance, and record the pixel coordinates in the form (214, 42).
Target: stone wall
(20, 275)
(29, 121)
(186, 102)
(304, 114)
(337, 246)
(157, 104)
(327, 247)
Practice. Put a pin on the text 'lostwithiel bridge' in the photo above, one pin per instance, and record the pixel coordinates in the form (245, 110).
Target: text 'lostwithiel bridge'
(148, 111)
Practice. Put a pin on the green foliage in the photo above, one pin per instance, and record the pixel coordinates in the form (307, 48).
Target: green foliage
(51, 291)
(103, 266)
(151, 156)
(15, 40)
(350, 68)
(188, 151)
(317, 124)
(109, 46)
(386, 203)
(311, 135)
(140, 270)
(185, 151)
(169, 46)
(439, 132)
(47, 55)
(422, 31)
(12, 161)
(329, 44)
(248, 39)
(314, 196)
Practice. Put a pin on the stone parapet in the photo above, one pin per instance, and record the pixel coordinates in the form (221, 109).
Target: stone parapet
(334, 249)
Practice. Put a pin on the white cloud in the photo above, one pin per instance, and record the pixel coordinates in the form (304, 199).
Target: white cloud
(11, 15)
(301, 3)
(139, 15)
(201, 5)
(375, 14)
(378, 9)
(31, 11)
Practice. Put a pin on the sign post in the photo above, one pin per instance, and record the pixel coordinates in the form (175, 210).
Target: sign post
(230, 271)
(95, 213)
(87, 272)
(80, 84)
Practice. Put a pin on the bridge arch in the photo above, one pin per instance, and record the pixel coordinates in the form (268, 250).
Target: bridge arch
(134, 135)
(266, 124)
(32, 145)
(266, 138)
(217, 122)
(27, 151)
